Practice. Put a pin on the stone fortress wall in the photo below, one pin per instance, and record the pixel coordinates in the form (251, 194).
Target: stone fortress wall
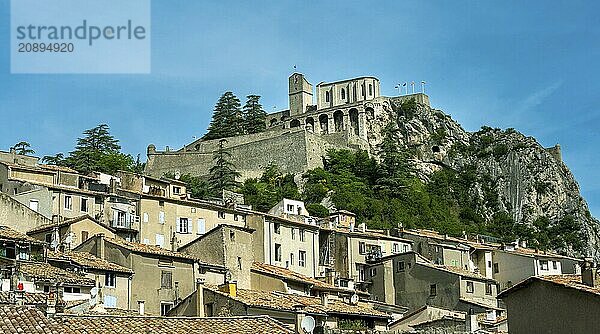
(296, 139)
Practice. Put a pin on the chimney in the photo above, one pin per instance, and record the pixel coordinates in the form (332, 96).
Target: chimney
(325, 299)
(200, 297)
(100, 246)
(352, 227)
(141, 307)
(300, 315)
(51, 298)
(229, 288)
(523, 244)
(471, 321)
(588, 276)
(362, 227)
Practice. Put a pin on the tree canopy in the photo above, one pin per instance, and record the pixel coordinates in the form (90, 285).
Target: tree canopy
(222, 175)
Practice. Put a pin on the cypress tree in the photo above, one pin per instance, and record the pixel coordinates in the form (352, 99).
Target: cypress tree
(227, 120)
(254, 115)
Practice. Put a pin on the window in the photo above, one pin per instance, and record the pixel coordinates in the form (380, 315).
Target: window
(496, 268)
(470, 287)
(68, 203)
(201, 226)
(84, 205)
(193, 210)
(34, 205)
(301, 232)
(176, 190)
(488, 289)
(278, 252)
(400, 266)
(110, 280)
(165, 308)
(291, 259)
(489, 264)
(555, 265)
(326, 96)
(72, 289)
(363, 90)
(370, 89)
(302, 258)
(166, 280)
(221, 215)
(48, 237)
(544, 264)
(236, 217)
(361, 272)
(161, 203)
(362, 249)
(293, 233)
(290, 208)
(277, 228)
(160, 240)
(110, 301)
(343, 94)
(432, 290)
(373, 272)
(404, 248)
(209, 309)
(84, 235)
(161, 217)
(231, 235)
(183, 226)
(395, 248)
(239, 262)
(145, 217)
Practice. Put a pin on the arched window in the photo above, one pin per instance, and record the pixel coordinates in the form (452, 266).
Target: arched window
(343, 94)
(326, 96)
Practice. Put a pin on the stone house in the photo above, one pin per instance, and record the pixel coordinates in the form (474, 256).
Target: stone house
(554, 304)
(43, 277)
(512, 264)
(68, 234)
(16, 247)
(410, 280)
(289, 309)
(112, 280)
(229, 246)
(162, 277)
(285, 243)
(345, 252)
(167, 216)
(438, 248)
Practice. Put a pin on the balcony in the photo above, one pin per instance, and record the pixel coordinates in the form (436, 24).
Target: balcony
(126, 224)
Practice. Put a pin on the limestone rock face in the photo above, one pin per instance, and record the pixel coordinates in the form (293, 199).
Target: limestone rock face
(530, 180)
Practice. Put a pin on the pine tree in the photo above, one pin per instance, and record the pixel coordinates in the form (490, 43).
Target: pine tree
(254, 115)
(394, 168)
(23, 148)
(227, 120)
(98, 151)
(222, 175)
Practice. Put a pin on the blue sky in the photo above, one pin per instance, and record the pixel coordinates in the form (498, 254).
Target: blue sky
(531, 65)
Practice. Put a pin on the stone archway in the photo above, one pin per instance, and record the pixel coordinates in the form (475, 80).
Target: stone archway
(338, 120)
(295, 123)
(310, 123)
(273, 122)
(324, 123)
(354, 120)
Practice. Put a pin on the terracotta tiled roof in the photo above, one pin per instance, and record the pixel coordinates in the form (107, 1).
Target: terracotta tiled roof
(67, 222)
(58, 168)
(88, 260)
(27, 319)
(569, 281)
(293, 276)
(148, 249)
(46, 272)
(29, 298)
(30, 320)
(290, 302)
(7, 233)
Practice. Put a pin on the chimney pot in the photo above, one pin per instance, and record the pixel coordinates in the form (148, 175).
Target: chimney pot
(588, 276)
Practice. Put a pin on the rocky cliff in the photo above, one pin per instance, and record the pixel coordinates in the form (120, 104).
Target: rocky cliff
(515, 174)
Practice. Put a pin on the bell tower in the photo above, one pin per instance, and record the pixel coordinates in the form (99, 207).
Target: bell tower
(300, 92)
